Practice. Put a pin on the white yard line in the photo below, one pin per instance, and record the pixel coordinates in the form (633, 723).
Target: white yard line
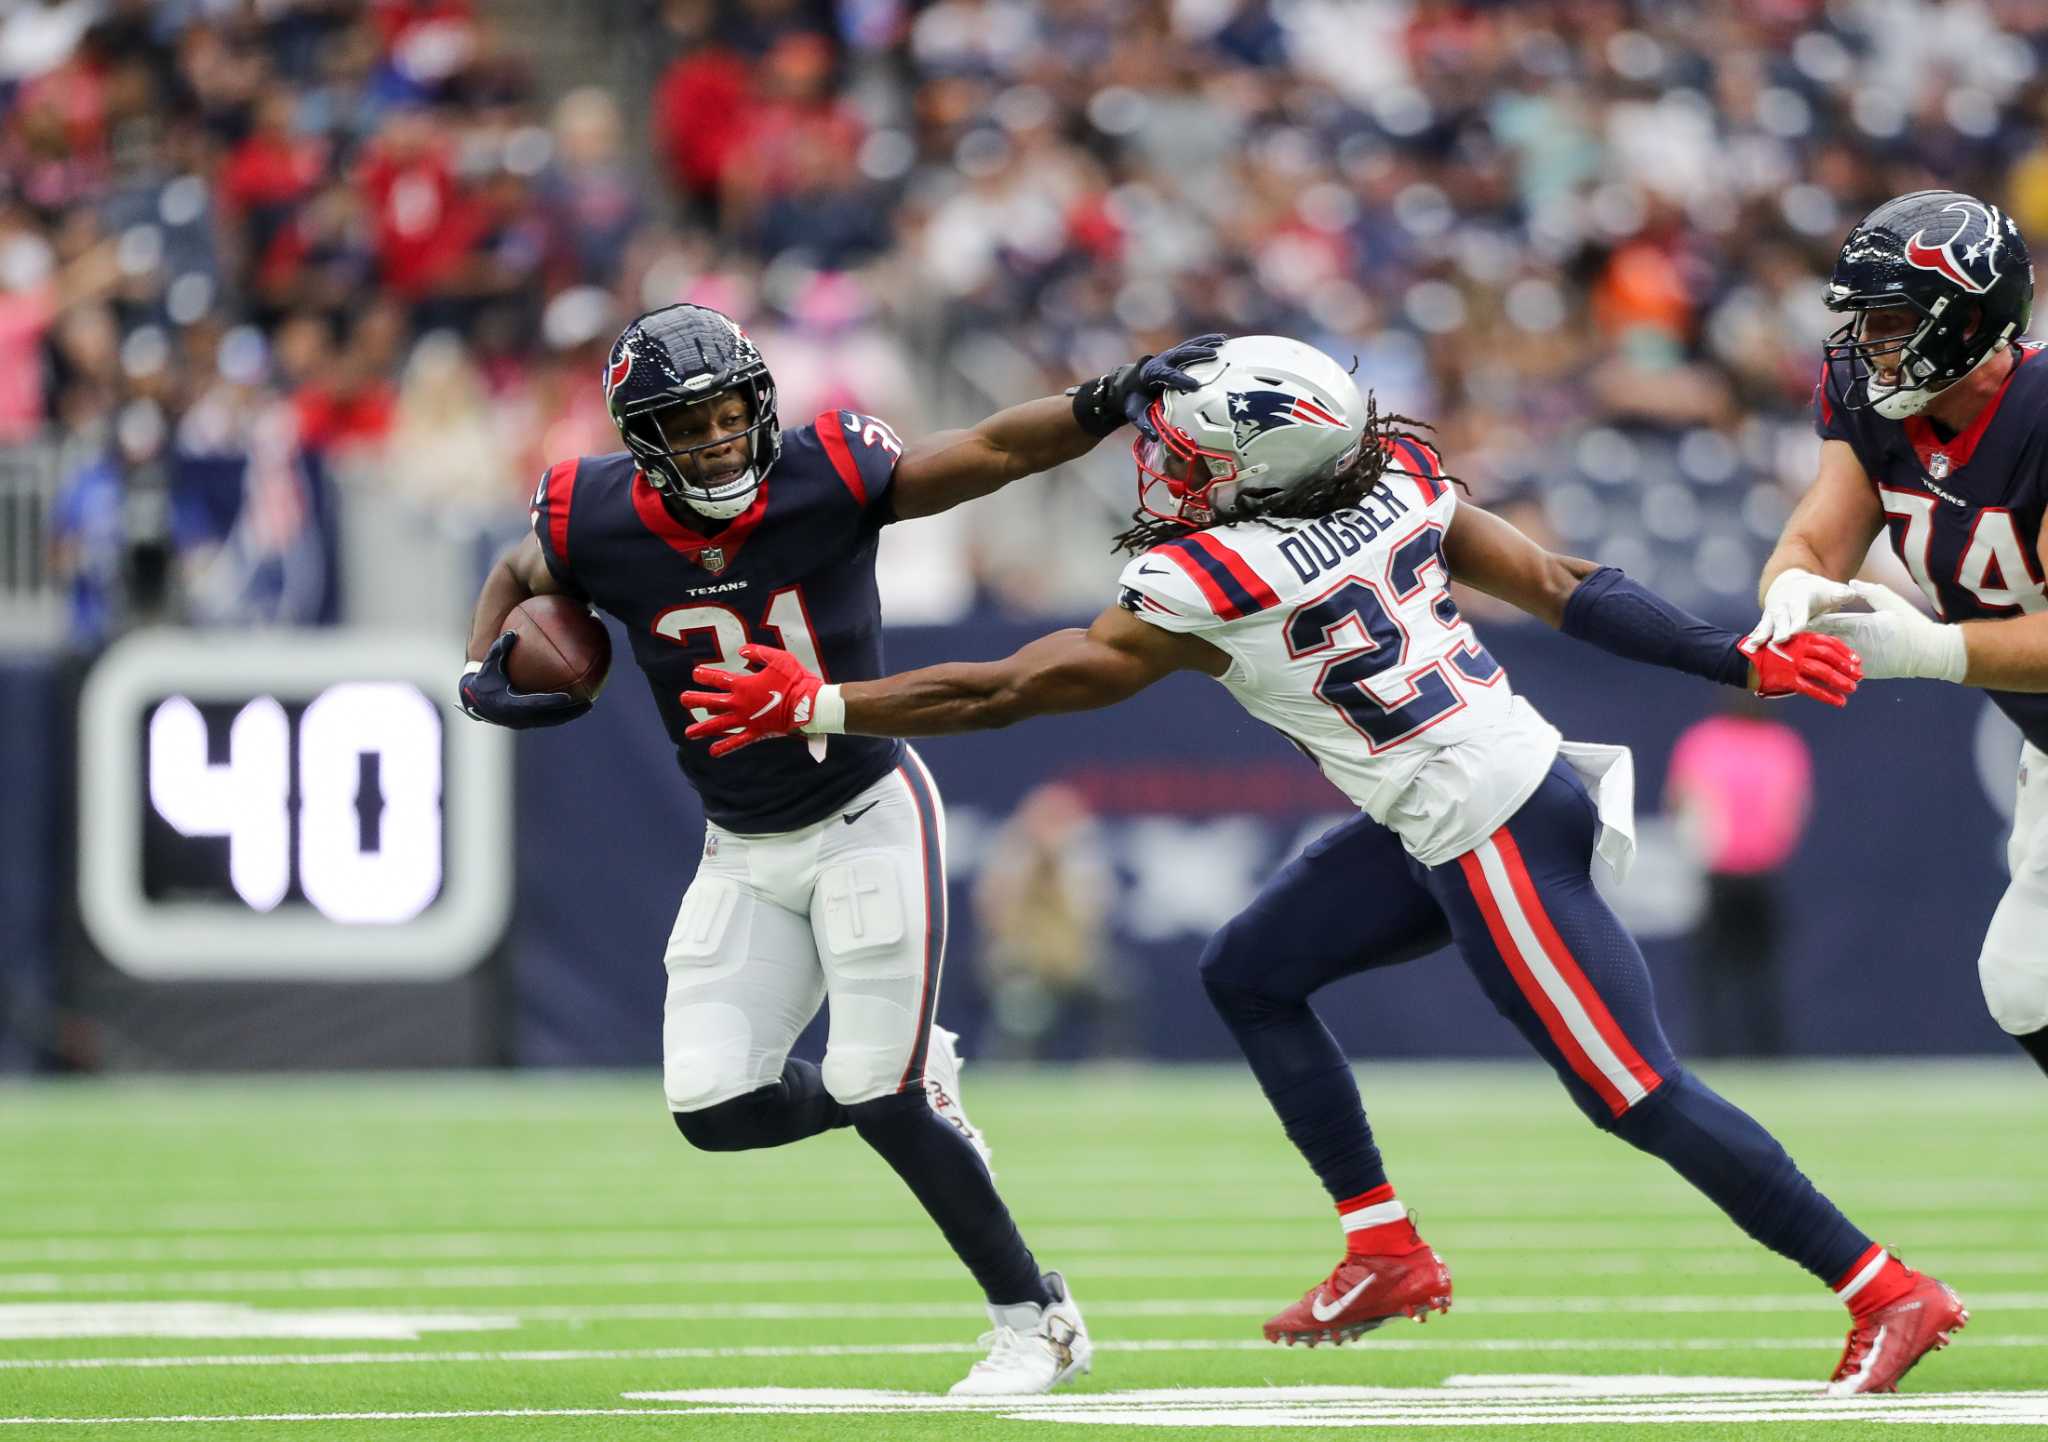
(1733, 1259)
(1249, 1236)
(1818, 1300)
(91, 1211)
(1651, 1345)
(1463, 1401)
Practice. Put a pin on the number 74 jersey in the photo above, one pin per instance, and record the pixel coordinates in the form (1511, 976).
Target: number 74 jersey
(1342, 634)
(1964, 512)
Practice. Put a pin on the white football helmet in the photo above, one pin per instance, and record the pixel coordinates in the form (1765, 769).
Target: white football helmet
(1269, 415)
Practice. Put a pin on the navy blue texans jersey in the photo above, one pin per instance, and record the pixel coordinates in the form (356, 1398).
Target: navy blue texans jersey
(796, 570)
(1964, 511)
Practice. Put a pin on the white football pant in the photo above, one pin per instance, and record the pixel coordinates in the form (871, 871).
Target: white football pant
(852, 908)
(2014, 963)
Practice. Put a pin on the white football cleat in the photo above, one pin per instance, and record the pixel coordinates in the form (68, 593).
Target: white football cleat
(942, 1085)
(1032, 1349)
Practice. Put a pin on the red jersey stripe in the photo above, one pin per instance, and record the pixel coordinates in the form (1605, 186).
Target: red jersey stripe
(1211, 592)
(560, 488)
(1243, 574)
(832, 435)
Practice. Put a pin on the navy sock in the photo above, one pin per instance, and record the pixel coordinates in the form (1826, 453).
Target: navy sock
(1743, 1170)
(944, 1172)
(1309, 1083)
(775, 1115)
(2035, 1044)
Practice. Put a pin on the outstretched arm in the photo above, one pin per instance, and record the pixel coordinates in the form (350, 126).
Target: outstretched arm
(939, 471)
(1601, 606)
(1073, 670)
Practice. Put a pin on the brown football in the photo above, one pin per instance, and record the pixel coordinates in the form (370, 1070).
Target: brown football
(561, 647)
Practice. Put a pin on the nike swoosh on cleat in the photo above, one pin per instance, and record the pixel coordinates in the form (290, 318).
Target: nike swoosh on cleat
(852, 816)
(774, 700)
(1324, 1314)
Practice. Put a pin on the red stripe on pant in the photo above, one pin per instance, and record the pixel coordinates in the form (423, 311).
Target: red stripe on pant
(1568, 967)
(1525, 899)
(925, 804)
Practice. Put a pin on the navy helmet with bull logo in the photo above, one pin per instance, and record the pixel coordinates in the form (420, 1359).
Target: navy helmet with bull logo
(1959, 267)
(676, 357)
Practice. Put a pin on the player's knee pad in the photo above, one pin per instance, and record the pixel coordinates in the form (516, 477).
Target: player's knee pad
(2014, 972)
(869, 1048)
(706, 1048)
(735, 1125)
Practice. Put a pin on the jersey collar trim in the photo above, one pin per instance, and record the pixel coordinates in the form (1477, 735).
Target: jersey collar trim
(656, 516)
(1927, 444)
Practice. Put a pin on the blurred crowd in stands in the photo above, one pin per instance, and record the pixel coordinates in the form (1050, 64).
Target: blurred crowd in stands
(256, 255)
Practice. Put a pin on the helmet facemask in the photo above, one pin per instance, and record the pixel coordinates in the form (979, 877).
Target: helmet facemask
(1925, 359)
(662, 440)
(1201, 482)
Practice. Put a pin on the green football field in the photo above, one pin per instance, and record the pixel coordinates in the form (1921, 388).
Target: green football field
(541, 1256)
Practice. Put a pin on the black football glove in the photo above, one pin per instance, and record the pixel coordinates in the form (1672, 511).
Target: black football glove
(487, 694)
(1126, 393)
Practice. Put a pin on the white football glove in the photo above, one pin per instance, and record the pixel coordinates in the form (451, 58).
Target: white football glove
(1896, 641)
(1794, 599)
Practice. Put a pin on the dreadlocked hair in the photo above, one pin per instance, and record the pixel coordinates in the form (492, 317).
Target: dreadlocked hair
(1375, 460)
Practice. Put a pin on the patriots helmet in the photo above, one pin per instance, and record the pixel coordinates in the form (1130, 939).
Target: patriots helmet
(676, 357)
(1270, 414)
(1932, 284)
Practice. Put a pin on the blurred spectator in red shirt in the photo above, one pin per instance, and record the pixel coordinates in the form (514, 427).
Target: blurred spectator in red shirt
(423, 223)
(703, 104)
(271, 172)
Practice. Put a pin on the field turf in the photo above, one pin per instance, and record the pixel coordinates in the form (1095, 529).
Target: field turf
(515, 1257)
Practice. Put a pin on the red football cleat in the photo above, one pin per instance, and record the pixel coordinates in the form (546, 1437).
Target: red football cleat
(1363, 1293)
(1884, 1345)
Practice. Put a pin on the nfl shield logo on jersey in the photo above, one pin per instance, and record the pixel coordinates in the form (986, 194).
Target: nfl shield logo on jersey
(712, 559)
(1937, 465)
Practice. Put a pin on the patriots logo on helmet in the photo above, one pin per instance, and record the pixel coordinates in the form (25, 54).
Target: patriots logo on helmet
(616, 373)
(1970, 257)
(1253, 413)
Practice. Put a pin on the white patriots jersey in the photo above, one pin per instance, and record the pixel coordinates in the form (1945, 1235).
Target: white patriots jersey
(1342, 634)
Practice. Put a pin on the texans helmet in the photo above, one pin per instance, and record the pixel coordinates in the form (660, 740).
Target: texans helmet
(1954, 261)
(1270, 414)
(679, 355)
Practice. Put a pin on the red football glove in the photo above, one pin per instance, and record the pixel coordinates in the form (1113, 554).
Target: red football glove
(750, 706)
(1807, 664)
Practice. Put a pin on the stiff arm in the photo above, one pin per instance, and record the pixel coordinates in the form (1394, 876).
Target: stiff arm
(1116, 657)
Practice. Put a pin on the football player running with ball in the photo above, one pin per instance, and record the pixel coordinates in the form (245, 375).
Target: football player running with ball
(823, 874)
(1302, 556)
(1934, 424)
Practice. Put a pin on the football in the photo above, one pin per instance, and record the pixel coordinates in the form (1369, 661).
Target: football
(562, 646)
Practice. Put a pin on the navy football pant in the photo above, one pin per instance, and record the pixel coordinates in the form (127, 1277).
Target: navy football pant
(1553, 959)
